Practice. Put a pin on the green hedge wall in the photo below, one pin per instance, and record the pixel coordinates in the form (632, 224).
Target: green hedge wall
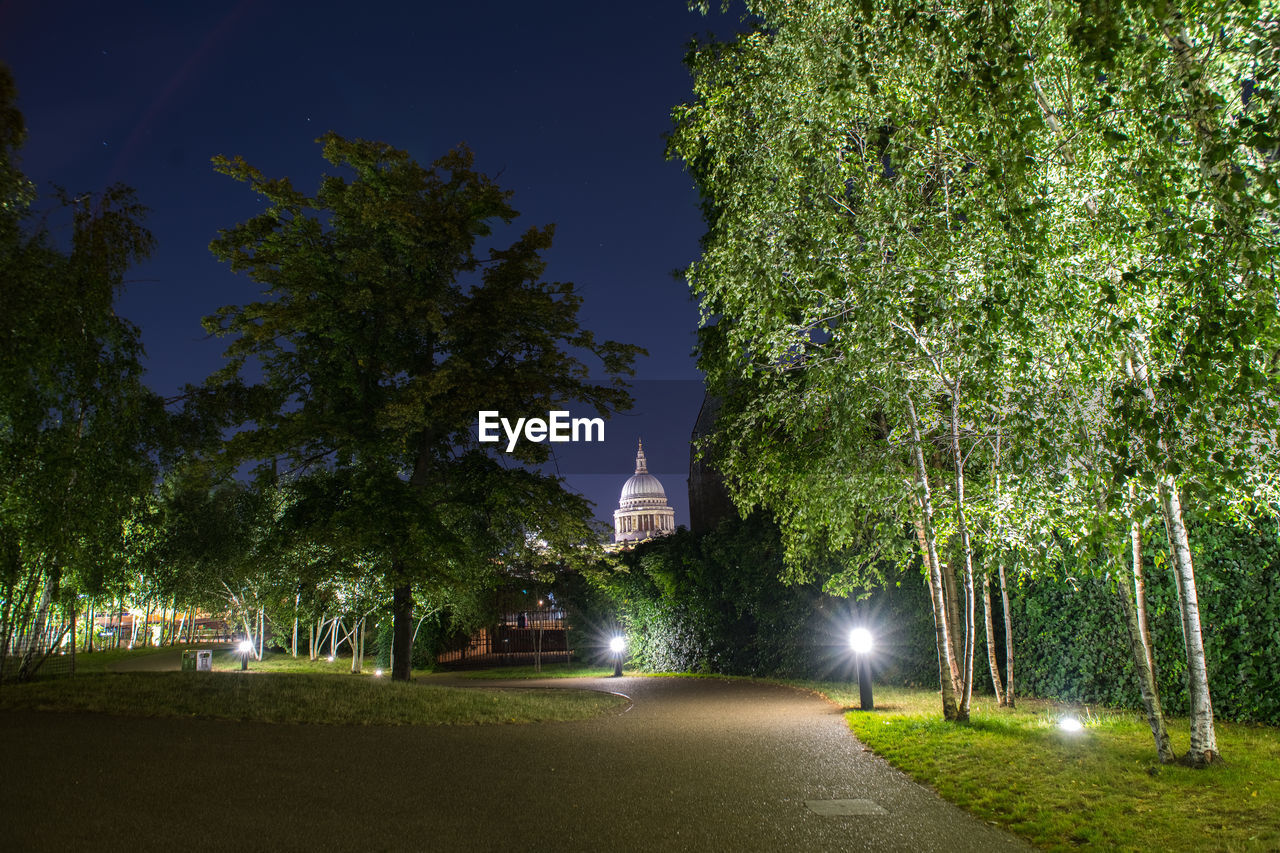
(715, 604)
(1070, 637)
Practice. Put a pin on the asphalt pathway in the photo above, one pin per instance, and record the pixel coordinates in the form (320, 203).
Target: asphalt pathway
(692, 764)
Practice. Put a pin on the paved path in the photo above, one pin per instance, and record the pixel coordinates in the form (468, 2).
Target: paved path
(696, 765)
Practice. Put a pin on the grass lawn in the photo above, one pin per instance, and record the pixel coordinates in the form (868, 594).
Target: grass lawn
(301, 698)
(1100, 788)
(549, 670)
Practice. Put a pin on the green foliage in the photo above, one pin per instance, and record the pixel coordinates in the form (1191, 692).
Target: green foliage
(1069, 634)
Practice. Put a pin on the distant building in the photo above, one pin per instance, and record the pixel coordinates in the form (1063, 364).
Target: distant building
(643, 511)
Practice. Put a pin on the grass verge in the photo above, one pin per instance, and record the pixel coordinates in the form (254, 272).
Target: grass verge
(1100, 788)
(301, 698)
(549, 670)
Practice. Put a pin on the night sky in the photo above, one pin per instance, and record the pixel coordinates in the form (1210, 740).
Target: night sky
(565, 103)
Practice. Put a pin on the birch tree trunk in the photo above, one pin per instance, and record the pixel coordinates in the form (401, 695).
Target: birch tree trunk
(1139, 583)
(947, 676)
(1204, 741)
(966, 548)
(991, 640)
(1140, 652)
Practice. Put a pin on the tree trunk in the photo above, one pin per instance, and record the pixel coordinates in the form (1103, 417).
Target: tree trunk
(1204, 741)
(966, 549)
(1141, 654)
(29, 664)
(991, 640)
(1008, 635)
(401, 631)
(1139, 582)
(296, 598)
(947, 675)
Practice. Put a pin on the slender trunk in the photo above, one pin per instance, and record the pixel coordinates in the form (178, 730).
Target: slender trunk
(333, 638)
(1139, 581)
(1008, 635)
(991, 640)
(401, 631)
(296, 598)
(966, 548)
(948, 676)
(357, 632)
(88, 643)
(953, 597)
(262, 631)
(29, 664)
(1141, 652)
(311, 640)
(1204, 741)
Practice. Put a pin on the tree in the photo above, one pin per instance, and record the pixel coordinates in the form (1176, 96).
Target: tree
(78, 428)
(378, 348)
(954, 213)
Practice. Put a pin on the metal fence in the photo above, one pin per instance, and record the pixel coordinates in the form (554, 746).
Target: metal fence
(525, 637)
(33, 658)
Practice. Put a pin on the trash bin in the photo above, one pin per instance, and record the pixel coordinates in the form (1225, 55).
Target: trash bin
(197, 660)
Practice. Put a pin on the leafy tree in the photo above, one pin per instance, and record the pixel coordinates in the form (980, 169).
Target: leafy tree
(377, 349)
(933, 226)
(78, 429)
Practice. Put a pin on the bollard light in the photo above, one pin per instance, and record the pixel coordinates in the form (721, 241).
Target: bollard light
(246, 646)
(861, 641)
(617, 645)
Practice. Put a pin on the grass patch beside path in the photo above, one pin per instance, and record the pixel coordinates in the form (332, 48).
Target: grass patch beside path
(301, 698)
(549, 670)
(1099, 789)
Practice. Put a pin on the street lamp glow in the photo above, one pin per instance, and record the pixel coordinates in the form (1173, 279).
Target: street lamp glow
(330, 658)
(617, 644)
(1070, 724)
(377, 673)
(246, 646)
(860, 640)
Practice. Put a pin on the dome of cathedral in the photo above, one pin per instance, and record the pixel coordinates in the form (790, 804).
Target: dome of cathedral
(643, 511)
(642, 486)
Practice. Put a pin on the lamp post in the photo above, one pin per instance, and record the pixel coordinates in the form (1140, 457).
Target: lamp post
(246, 646)
(861, 641)
(617, 645)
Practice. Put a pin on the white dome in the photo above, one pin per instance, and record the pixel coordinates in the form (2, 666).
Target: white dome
(642, 486)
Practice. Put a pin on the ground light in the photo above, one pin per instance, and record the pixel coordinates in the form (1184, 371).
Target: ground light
(246, 646)
(860, 641)
(1070, 724)
(617, 645)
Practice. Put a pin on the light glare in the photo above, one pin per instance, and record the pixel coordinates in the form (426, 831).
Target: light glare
(617, 644)
(860, 640)
(1070, 724)
(246, 646)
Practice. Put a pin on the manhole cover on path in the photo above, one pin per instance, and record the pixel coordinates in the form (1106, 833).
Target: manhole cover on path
(843, 808)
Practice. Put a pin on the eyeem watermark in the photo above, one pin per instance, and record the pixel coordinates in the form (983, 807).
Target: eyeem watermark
(558, 427)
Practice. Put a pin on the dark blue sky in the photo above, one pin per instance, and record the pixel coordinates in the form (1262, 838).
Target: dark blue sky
(565, 102)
